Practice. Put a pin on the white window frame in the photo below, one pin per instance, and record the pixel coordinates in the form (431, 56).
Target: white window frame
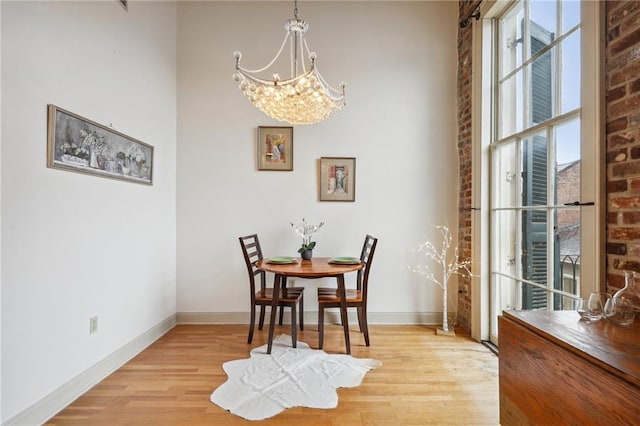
(592, 159)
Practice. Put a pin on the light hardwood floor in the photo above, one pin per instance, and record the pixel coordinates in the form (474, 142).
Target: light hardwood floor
(424, 379)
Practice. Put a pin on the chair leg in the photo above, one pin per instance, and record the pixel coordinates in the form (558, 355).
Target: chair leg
(320, 326)
(364, 326)
(283, 285)
(261, 323)
(252, 323)
(301, 307)
(294, 327)
(360, 318)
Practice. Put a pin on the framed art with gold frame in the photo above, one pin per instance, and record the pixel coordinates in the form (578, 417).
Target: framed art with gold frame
(337, 179)
(275, 148)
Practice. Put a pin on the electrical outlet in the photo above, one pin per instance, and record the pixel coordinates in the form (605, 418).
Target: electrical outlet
(93, 325)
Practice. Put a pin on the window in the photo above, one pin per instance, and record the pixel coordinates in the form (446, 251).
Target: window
(543, 180)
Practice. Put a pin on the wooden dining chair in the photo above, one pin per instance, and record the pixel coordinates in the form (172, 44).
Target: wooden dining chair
(262, 296)
(356, 297)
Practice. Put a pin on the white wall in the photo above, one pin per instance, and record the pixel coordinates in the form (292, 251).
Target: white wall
(73, 245)
(399, 61)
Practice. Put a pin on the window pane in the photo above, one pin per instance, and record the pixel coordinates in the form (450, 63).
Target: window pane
(567, 228)
(570, 66)
(570, 14)
(511, 40)
(511, 105)
(533, 297)
(505, 174)
(567, 143)
(564, 303)
(534, 258)
(505, 250)
(543, 16)
(506, 294)
(567, 237)
(504, 297)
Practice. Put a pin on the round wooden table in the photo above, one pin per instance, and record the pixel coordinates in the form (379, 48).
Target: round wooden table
(317, 267)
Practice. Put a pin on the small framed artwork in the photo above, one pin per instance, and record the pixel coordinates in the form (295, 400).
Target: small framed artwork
(337, 179)
(275, 148)
(77, 144)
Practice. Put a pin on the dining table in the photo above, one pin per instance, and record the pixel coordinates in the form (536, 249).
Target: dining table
(316, 267)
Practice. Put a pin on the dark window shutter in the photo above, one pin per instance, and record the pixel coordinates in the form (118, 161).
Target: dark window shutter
(541, 75)
(534, 223)
(534, 175)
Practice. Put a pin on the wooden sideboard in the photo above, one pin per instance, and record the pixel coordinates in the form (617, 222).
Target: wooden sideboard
(556, 369)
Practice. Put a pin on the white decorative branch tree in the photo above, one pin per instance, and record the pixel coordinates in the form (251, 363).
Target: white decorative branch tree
(448, 262)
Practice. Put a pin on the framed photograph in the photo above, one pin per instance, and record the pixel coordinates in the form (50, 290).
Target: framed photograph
(275, 148)
(77, 144)
(337, 179)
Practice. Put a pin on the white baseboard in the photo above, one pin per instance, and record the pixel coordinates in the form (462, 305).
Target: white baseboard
(374, 318)
(51, 404)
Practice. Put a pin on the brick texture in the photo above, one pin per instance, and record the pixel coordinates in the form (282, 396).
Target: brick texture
(622, 65)
(464, 153)
(622, 87)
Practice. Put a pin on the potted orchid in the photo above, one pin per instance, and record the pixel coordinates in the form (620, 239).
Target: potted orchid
(305, 230)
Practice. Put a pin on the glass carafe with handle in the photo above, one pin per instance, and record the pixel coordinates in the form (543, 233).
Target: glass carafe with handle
(625, 303)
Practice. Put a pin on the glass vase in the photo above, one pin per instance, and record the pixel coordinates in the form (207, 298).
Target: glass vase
(626, 301)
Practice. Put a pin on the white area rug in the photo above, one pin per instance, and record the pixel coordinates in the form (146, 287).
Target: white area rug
(264, 385)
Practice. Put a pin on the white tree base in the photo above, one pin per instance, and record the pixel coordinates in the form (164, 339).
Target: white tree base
(441, 332)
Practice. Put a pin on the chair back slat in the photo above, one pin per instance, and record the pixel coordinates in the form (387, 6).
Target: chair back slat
(366, 257)
(252, 252)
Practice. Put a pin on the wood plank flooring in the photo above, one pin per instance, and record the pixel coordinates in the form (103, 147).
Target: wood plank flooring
(424, 379)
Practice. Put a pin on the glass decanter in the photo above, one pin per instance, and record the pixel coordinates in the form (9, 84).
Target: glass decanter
(625, 303)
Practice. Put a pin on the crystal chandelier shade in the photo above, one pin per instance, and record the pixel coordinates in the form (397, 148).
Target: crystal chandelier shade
(305, 98)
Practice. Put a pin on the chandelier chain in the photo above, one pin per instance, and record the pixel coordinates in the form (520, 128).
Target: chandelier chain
(295, 9)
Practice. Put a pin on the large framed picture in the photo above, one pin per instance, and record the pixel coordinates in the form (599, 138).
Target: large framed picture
(275, 148)
(337, 179)
(77, 144)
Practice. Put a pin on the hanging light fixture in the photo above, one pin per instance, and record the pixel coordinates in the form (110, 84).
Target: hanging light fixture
(305, 98)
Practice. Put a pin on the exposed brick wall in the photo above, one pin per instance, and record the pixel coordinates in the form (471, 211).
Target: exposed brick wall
(464, 154)
(622, 70)
(622, 75)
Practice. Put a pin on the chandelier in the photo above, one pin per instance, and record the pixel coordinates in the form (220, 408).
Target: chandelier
(304, 98)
